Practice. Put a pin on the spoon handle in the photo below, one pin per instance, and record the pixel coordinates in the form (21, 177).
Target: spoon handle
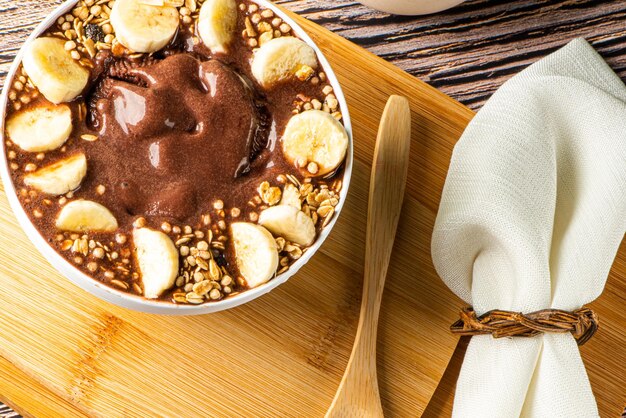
(358, 391)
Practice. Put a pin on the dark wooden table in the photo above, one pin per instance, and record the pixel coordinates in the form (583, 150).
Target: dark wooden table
(467, 52)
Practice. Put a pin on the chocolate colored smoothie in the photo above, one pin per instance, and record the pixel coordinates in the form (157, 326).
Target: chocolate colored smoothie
(189, 132)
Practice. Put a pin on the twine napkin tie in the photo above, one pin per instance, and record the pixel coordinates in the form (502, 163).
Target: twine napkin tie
(531, 217)
(582, 323)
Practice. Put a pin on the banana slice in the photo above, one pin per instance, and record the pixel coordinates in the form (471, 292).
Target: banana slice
(60, 177)
(173, 3)
(217, 23)
(141, 27)
(315, 136)
(158, 261)
(255, 252)
(42, 128)
(280, 59)
(85, 215)
(290, 223)
(291, 196)
(53, 70)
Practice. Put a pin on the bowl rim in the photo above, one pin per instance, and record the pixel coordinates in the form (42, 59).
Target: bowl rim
(136, 302)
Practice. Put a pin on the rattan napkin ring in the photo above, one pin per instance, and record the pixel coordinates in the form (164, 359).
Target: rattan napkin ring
(582, 323)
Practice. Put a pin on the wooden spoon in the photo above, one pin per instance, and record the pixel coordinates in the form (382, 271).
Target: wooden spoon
(358, 394)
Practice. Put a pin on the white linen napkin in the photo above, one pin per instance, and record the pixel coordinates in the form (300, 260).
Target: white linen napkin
(532, 214)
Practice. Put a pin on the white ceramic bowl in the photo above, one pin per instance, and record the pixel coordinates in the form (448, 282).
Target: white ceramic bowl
(138, 303)
(411, 7)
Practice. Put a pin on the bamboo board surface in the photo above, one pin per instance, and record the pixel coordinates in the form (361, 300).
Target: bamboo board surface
(282, 355)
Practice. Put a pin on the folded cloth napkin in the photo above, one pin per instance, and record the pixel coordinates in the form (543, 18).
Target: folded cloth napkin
(532, 214)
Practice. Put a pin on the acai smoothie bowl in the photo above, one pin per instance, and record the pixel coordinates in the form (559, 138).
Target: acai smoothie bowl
(174, 156)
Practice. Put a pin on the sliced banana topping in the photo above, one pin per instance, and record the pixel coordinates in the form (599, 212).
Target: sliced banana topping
(290, 223)
(173, 3)
(53, 71)
(42, 128)
(60, 177)
(280, 59)
(85, 215)
(217, 23)
(255, 252)
(158, 261)
(142, 27)
(291, 196)
(316, 141)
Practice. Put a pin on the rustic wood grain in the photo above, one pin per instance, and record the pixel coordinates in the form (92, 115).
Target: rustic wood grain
(469, 51)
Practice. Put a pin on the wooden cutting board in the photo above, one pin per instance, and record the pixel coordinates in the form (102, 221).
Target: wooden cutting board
(67, 353)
